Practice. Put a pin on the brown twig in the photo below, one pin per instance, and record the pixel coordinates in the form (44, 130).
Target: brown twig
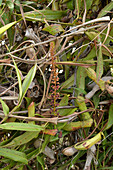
(54, 120)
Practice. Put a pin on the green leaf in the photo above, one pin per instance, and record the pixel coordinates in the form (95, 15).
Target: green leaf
(26, 85)
(46, 141)
(105, 10)
(67, 68)
(91, 55)
(96, 100)
(91, 35)
(78, 125)
(56, 137)
(82, 106)
(21, 126)
(10, 5)
(31, 112)
(11, 31)
(28, 2)
(33, 153)
(40, 15)
(6, 27)
(14, 155)
(81, 74)
(64, 102)
(5, 107)
(70, 4)
(68, 83)
(88, 4)
(91, 73)
(54, 29)
(105, 168)
(110, 119)
(0, 2)
(81, 91)
(10, 163)
(22, 139)
(86, 144)
(28, 80)
(64, 1)
(76, 158)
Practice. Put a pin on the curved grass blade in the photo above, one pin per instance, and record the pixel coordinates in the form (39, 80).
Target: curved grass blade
(26, 85)
(19, 79)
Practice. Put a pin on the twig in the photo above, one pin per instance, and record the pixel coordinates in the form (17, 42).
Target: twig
(49, 4)
(51, 120)
(53, 39)
(84, 16)
(10, 87)
(108, 50)
(107, 19)
(73, 64)
(54, 120)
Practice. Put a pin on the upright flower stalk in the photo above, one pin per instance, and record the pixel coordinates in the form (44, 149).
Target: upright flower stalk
(55, 80)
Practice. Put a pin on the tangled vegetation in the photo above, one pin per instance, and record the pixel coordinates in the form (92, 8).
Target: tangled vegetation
(56, 89)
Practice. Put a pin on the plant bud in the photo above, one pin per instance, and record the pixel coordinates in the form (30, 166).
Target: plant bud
(69, 151)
